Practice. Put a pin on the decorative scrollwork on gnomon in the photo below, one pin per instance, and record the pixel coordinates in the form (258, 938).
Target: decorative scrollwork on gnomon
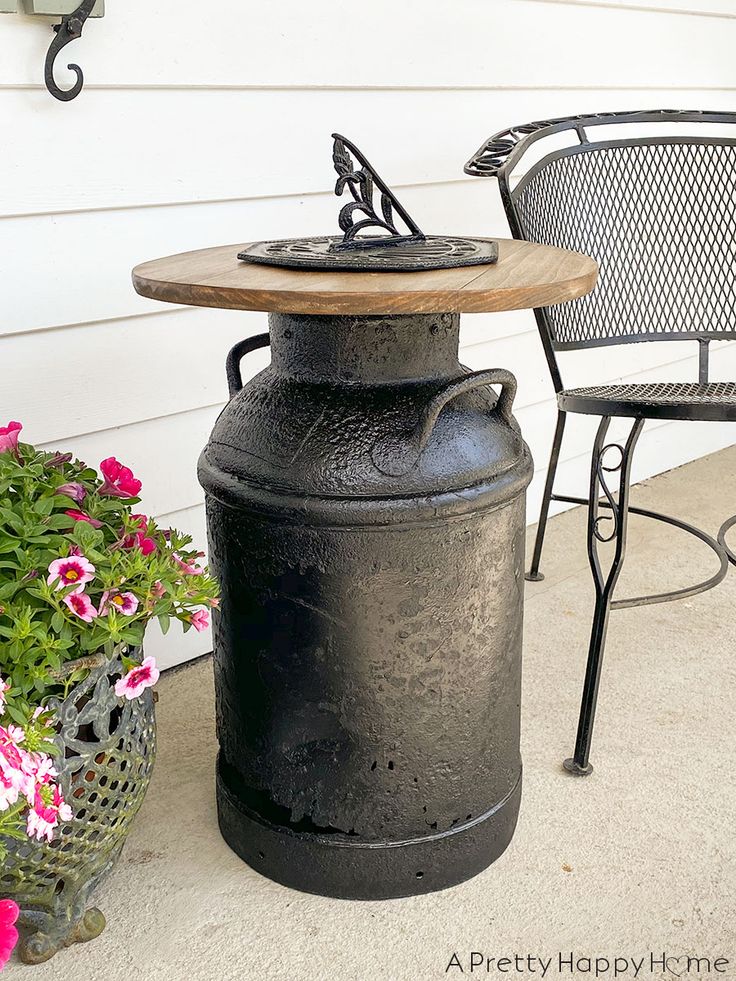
(362, 184)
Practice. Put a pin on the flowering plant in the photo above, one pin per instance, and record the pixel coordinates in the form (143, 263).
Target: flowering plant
(31, 802)
(81, 577)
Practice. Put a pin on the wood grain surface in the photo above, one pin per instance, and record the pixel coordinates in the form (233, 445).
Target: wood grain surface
(525, 275)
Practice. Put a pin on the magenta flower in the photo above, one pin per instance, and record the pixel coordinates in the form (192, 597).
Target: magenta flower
(47, 809)
(75, 571)
(138, 679)
(81, 605)
(9, 913)
(119, 480)
(138, 539)
(81, 516)
(200, 620)
(9, 437)
(126, 603)
(74, 490)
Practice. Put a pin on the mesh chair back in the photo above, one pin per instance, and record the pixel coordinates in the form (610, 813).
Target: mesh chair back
(658, 213)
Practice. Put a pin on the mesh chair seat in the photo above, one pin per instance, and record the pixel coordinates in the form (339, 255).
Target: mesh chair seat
(712, 401)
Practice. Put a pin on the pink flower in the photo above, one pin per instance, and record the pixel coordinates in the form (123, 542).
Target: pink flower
(200, 620)
(40, 768)
(4, 688)
(47, 809)
(15, 778)
(9, 791)
(74, 490)
(12, 736)
(119, 480)
(188, 567)
(9, 437)
(81, 516)
(146, 545)
(75, 571)
(158, 590)
(9, 914)
(138, 679)
(138, 538)
(126, 603)
(81, 605)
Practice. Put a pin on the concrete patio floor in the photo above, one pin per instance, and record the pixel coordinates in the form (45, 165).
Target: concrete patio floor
(639, 858)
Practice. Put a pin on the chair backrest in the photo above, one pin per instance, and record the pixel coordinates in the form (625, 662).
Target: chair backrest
(658, 212)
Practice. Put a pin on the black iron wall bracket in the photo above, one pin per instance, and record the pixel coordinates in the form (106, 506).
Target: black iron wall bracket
(70, 29)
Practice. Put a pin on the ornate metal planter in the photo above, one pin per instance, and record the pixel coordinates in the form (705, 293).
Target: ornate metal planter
(107, 749)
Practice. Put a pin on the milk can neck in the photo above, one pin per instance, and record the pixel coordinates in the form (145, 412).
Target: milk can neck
(369, 350)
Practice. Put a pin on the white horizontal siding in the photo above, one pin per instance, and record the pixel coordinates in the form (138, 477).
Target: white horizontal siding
(132, 160)
(416, 43)
(221, 132)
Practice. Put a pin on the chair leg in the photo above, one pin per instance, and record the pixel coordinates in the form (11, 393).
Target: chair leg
(605, 583)
(534, 575)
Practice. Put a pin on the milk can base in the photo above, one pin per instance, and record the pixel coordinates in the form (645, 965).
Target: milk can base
(336, 866)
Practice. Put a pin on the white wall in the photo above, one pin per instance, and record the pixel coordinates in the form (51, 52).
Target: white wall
(206, 124)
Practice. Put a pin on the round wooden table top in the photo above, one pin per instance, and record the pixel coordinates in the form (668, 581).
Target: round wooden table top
(525, 275)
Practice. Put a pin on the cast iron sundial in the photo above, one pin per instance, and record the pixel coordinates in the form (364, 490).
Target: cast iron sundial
(386, 248)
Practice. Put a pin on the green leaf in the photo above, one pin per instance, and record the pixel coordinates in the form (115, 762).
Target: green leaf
(86, 536)
(60, 522)
(13, 520)
(44, 506)
(9, 589)
(16, 715)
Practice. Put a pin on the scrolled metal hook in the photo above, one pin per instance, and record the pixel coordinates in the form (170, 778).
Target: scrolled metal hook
(70, 29)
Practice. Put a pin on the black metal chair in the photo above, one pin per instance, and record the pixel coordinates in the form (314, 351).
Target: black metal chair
(658, 212)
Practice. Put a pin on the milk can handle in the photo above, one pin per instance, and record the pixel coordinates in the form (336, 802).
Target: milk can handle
(396, 457)
(236, 355)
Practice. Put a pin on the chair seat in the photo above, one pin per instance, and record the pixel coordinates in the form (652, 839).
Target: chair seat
(713, 401)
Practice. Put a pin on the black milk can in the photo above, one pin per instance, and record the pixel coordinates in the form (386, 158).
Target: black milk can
(366, 513)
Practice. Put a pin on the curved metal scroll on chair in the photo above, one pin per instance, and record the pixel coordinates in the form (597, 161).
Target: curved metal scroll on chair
(70, 29)
(718, 547)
